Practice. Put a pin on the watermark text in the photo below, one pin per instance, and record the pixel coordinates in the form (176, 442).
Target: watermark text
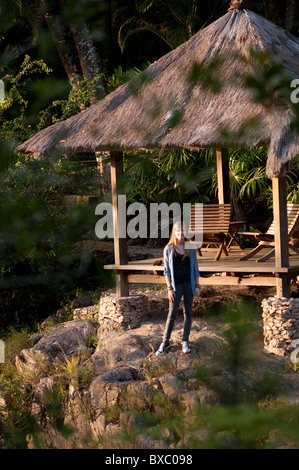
(2, 352)
(137, 220)
(2, 91)
(295, 93)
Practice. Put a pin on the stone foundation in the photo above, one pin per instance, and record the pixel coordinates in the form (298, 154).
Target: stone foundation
(121, 313)
(281, 325)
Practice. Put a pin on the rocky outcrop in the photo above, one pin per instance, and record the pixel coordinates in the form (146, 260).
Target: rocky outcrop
(60, 342)
(112, 391)
(115, 382)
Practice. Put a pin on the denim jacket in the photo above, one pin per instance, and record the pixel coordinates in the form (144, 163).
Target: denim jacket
(169, 270)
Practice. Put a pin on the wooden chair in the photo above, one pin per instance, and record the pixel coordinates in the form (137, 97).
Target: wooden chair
(233, 234)
(214, 225)
(267, 239)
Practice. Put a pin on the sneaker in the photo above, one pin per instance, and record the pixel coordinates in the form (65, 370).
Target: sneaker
(161, 350)
(185, 347)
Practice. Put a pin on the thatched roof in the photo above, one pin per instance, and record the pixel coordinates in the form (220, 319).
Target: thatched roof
(164, 108)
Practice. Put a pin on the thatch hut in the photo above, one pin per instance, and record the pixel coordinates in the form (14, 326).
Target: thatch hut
(174, 105)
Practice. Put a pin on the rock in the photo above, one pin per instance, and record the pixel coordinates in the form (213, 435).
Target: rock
(112, 429)
(190, 401)
(146, 442)
(45, 385)
(137, 396)
(121, 374)
(193, 440)
(128, 383)
(61, 315)
(98, 426)
(206, 396)
(78, 419)
(35, 337)
(61, 342)
(171, 385)
(103, 394)
(128, 347)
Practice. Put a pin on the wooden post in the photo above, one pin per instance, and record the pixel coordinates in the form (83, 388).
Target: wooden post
(283, 287)
(222, 159)
(120, 244)
(105, 171)
(281, 233)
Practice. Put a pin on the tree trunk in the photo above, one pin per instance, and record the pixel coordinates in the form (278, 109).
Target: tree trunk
(64, 42)
(88, 56)
(78, 54)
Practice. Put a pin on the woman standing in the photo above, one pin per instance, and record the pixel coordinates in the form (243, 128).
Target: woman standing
(181, 272)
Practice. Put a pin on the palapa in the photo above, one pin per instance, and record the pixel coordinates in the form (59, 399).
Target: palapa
(172, 105)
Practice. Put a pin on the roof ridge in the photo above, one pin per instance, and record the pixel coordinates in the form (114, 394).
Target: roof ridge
(240, 5)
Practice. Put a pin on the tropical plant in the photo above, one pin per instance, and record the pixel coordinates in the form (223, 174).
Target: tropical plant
(166, 176)
(14, 121)
(180, 21)
(38, 229)
(20, 21)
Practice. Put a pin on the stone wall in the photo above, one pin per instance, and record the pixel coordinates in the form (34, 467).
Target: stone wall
(115, 313)
(119, 313)
(281, 324)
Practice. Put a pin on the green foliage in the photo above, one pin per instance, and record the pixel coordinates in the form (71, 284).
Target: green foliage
(14, 121)
(117, 78)
(81, 95)
(39, 231)
(20, 22)
(166, 176)
(190, 176)
(158, 368)
(39, 226)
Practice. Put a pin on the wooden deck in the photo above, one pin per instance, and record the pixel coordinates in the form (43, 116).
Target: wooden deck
(226, 271)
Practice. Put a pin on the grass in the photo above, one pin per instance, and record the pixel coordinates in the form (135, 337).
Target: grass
(155, 288)
(158, 367)
(17, 389)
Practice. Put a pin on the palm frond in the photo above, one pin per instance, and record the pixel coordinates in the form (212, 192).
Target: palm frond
(9, 54)
(255, 182)
(135, 25)
(143, 5)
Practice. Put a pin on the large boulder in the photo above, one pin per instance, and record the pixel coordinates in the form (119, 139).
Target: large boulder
(60, 343)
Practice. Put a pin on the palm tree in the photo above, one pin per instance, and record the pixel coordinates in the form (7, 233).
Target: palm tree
(181, 20)
(19, 22)
(68, 24)
(22, 18)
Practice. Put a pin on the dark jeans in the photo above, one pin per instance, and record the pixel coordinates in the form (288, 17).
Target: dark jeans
(183, 289)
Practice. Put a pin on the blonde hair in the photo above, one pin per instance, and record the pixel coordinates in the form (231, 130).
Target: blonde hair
(173, 241)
